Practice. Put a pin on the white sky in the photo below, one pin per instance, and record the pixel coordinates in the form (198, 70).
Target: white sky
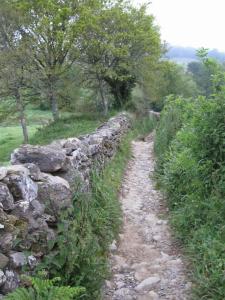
(194, 23)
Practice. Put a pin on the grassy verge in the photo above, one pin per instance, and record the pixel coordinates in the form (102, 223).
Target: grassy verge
(191, 160)
(83, 240)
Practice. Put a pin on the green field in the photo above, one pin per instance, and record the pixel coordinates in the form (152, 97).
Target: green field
(10, 138)
(42, 130)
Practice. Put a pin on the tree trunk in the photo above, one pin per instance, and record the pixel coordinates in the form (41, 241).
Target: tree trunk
(54, 106)
(118, 96)
(20, 107)
(104, 100)
(52, 99)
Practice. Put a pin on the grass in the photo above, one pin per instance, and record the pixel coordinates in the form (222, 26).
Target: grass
(42, 130)
(10, 138)
(66, 127)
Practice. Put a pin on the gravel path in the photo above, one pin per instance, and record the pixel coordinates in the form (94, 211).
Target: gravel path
(145, 263)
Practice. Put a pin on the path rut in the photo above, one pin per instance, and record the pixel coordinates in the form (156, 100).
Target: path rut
(146, 263)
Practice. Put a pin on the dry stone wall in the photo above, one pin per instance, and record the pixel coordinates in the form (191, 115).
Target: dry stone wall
(38, 185)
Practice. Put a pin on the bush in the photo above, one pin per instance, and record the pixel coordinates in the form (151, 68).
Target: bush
(192, 175)
(171, 120)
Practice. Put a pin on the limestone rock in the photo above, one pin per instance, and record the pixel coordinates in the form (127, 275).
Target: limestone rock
(17, 260)
(18, 170)
(6, 242)
(46, 158)
(32, 261)
(37, 208)
(147, 284)
(34, 170)
(2, 278)
(113, 246)
(153, 295)
(12, 282)
(3, 261)
(22, 209)
(73, 144)
(124, 293)
(21, 187)
(94, 149)
(57, 144)
(7, 221)
(6, 198)
(39, 238)
(3, 173)
(54, 192)
(41, 241)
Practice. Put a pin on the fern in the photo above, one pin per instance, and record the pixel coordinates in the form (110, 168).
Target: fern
(46, 290)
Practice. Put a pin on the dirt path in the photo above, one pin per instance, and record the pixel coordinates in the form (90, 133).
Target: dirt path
(145, 263)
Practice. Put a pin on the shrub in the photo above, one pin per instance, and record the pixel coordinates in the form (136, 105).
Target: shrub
(172, 117)
(192, 175)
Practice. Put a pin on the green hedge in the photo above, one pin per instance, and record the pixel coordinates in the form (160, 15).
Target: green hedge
(190, 144)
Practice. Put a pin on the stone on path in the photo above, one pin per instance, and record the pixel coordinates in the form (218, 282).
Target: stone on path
(147, 284)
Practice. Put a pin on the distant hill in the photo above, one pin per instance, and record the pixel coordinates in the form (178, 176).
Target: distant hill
(185, 55)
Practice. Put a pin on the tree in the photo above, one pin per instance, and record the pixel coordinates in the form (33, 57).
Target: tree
(208, 73)
(164, 79)
(55, 29)
(13, 60)
(119, 39)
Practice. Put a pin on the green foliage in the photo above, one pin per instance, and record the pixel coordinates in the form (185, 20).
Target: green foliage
(14, 61)
(143, 125)
(171, 120)
(166, 78)
(201, 76)
(46, 290)
(115, 45)
(208, 73)
(137, 103)
(192, 174)
(52, 31)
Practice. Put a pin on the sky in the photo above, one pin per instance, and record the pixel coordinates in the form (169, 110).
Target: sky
(194, 23)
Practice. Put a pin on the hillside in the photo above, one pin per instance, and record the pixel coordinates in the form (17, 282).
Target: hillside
(187, 54)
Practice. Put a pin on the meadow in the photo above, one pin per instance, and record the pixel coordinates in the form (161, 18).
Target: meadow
(42, 130)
